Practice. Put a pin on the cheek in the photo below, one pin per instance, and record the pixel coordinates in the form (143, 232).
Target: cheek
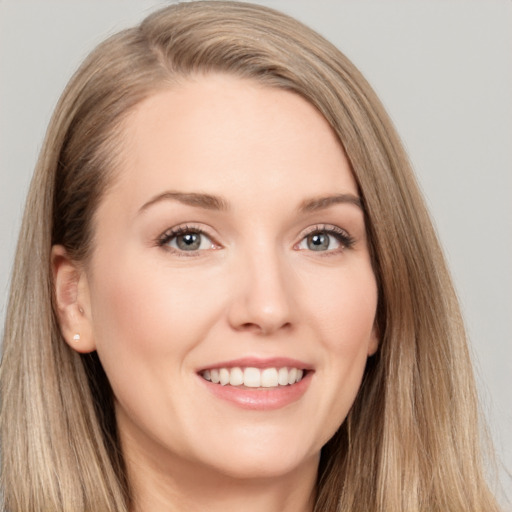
(150, 311)
(146, 327)
(343, 316)
(343, 310)
(350, 337)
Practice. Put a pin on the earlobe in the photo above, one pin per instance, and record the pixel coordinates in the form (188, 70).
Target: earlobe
(72, 301)
(373, 344)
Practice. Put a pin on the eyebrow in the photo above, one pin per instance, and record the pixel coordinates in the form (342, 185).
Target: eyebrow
(321, 203)
(205, 201)
(211, 202)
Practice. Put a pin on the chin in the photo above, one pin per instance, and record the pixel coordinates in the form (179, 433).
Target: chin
(268, 459)
(265, 468)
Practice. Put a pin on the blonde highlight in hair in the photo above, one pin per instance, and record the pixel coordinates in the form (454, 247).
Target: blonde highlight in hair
(411, 440)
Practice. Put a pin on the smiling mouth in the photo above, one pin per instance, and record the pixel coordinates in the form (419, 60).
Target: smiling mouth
(250, 377)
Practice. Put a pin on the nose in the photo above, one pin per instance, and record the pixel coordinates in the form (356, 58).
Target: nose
(263, 299)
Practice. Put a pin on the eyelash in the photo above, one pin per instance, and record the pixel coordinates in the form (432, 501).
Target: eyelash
(346, 241)
(173, 233)
(343, 237)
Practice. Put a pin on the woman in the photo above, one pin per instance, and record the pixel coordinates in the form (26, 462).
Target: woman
(236, 297)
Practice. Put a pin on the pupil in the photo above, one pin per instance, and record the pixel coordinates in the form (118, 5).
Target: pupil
(188, 242)
(318, 241)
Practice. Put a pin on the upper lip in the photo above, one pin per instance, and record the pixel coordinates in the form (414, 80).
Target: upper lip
(259, 362)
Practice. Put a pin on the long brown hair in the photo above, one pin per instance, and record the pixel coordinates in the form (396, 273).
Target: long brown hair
(411, 440)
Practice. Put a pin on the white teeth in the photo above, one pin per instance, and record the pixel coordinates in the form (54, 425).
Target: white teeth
(236, 377)
(292, 375)
(224, 376)
(254, 377)
(282, 376)
(269, 378)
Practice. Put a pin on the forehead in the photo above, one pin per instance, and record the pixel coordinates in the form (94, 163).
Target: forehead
(228, 136)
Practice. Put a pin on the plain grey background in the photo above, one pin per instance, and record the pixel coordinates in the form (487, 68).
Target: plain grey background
(443, 69)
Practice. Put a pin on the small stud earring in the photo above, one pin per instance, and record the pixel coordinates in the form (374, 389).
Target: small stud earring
(76, 337)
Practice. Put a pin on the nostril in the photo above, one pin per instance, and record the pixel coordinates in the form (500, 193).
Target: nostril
(249, 326)
(264, 328)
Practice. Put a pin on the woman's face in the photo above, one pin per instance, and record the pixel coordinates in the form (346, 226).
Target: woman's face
(231, 246)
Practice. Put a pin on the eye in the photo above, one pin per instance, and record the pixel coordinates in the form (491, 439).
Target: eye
(326, 239)
(185, 239)
(319, 242)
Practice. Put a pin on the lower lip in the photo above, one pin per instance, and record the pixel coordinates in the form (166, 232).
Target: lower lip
(260, 399)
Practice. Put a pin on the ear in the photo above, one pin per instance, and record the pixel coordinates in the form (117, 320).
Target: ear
(373, 343)
(72, 301)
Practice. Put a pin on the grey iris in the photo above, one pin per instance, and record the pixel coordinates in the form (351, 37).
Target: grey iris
(189, 241)
(318, 242)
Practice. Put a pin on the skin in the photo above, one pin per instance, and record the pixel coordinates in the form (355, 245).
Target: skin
(255, 288)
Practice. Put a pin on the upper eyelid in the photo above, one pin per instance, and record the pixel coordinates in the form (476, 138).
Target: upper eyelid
(323, 227)
(181, 229)
(188, 227)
